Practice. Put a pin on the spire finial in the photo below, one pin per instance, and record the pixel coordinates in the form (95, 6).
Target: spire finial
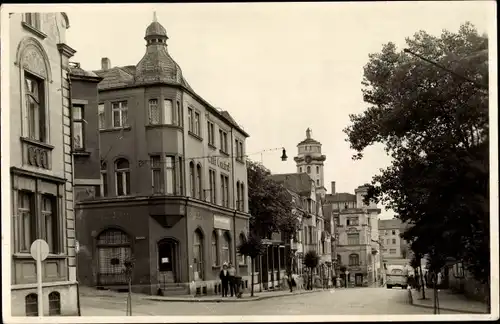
(155, 19)
(308, 132)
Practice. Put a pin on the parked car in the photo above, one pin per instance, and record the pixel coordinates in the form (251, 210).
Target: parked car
(396, 277)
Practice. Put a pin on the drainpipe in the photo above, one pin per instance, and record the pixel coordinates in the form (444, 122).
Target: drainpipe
(187, 245)
(236, 266)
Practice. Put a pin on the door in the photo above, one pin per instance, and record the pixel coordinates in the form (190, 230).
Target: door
(358, 279)
(167, 261)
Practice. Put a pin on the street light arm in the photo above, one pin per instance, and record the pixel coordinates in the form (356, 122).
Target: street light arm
(480, 86)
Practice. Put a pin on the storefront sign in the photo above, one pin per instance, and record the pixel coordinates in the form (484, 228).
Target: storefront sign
(222, 222)
(164, 260)
(220, 163)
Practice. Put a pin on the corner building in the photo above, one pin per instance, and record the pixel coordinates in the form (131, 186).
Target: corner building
(41, 164)
(173, 193)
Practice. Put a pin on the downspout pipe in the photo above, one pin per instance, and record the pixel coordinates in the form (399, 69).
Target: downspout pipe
(233, 180)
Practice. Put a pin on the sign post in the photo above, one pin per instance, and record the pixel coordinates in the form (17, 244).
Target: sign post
(39, 251)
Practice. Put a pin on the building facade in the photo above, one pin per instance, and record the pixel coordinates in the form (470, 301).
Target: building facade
(394, 247)
(173, 196)
(357, 247)
(310, 160)
(41, 163)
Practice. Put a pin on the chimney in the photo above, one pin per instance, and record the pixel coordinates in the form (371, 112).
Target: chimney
(105, 63)
(333, 188)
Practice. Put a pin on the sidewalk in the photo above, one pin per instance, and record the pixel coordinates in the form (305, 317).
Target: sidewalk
(448, 301)
(245, 298)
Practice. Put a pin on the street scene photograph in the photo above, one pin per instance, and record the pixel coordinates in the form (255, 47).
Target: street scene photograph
(253, 160)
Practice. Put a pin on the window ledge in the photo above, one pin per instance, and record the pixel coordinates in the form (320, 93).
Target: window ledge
(34, 30)
(212, 146)
(195, 136)
(115, 129)
(163, 126)
(25, 255)
(37, 143)
(223, 153)
(81, 153)
(240, 160)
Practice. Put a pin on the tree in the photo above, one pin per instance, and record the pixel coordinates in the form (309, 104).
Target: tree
(253, 248)
(269, 203)
(311, 261)
(434, 124)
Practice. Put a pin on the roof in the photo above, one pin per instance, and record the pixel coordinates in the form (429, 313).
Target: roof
(393, 223)
(340, 197)
(79, 72)
(309, 141)
(156, 29)
(301, 183)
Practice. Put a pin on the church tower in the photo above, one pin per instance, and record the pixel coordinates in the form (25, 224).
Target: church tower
(310, 160)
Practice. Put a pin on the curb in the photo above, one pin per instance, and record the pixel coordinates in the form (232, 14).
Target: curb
(410, 300)
(236, 300)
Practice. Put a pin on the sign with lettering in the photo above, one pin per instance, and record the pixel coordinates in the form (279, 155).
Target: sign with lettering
(222, 222)
(224, 165)
(352, 229)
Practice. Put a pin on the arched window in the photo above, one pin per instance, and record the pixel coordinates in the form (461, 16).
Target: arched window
(198, 254)
(317, 182)
(54, 303)
(308, 169)
(242, 199)
(215, 251)
(226, 248)
(122, 173)
(238, 196)
(300, 169)
(198, 181)
(31, 304)
(354, 259)
(317, 169)
(242, 240)
(339, 259)
(104, 179)
(113, 249)
(192, 183)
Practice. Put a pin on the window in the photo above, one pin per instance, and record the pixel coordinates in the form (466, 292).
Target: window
(352, 221)
(242, 153)
(242, 257)
(388, 241)
(317, 169)
(190, 120)
(192, 182)
(170, 174)
(226, 248)
(353, 260)
(33, 19)
(393, 232)
(198, 182)
(215, 254)
(317, 182)
(50, 221)
(392, 251)
(54, 303)
(102, 116)
(198, 254)
(339, 259)
(211, 134)
(238, 195)
(104, 179)
(78, 129)
(308, 169)
(197, 126)
(27, 220)
(224, 190)
(180, 176)
(353, 239)
(122, 171)
(154, 112)
(167, 112)
(34, 91)
(242, 197)
(157, 174)
(211, 175)
(120, 114)
(31, 304)
(223, 141)
(179, 114)
(300, 170)
(393, 241)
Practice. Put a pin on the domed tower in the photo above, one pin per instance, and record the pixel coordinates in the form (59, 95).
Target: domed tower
(157, 65)
(311, 161)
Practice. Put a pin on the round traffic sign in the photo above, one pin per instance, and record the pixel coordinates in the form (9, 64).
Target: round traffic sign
(39, 249)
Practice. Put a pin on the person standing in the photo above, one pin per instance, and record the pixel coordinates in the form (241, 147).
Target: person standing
(231, 276)
(224, 278)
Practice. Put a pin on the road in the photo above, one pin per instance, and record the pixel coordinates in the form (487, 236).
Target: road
(355, 301)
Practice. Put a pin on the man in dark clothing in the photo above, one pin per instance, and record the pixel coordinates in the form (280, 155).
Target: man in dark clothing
(224, 278)
(232, 282)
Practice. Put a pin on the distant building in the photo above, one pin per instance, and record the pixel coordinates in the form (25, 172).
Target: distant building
(394, 247)
(173, 194)
(356, 226)
(41, 164)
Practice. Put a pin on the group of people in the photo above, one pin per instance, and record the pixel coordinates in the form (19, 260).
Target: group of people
(227, 277)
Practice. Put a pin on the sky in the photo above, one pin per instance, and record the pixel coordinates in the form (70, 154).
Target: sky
(277, 68)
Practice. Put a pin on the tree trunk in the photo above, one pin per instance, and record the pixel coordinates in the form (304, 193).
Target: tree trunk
(253, 275)
(422, 281)
(435, 294)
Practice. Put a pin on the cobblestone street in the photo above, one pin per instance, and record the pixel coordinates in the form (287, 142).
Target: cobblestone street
(355, 301)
